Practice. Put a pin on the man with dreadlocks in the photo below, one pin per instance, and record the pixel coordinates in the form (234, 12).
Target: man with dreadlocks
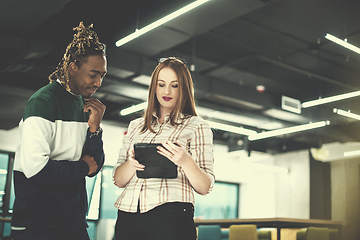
(60, 144)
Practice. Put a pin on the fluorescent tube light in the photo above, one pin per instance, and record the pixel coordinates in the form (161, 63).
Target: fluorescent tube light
(285, 115)
(238, 118)
(282, 131)
(352, 153)
(346, 114)
(341, 42)
(330, 99)
(272, 125)
(229, 128)
(159, 22)
(134, 108)
(142, 79)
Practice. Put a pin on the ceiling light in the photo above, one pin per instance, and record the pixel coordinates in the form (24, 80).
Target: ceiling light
(238, 118)
(282, 131)
(330, 99)
(286, 116)
(346, 114)
(352, 153)
(229, 128)
(134, 108)
(142, 79)
(235, 118)
(272, 125)
(139, 32)
(341, 42)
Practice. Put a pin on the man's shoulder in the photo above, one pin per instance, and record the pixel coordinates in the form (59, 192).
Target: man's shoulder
(43, 102)
(47, 92)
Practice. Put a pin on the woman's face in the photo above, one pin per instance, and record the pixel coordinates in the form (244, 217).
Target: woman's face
(167, 90)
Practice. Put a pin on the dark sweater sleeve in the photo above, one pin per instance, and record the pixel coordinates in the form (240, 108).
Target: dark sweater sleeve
(37, 131)
(94, 148)
(61, 172)
(67, 172)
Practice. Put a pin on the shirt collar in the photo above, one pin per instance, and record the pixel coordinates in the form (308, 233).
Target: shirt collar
(77, 96)
(179, 118)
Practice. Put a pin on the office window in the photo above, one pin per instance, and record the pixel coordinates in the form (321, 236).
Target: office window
(4, 161)
(12, 194)
(91, 229)
(109, 194)
(221, 203)
(93, 194)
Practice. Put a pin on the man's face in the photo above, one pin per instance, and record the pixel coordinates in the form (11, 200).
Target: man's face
(88, 78)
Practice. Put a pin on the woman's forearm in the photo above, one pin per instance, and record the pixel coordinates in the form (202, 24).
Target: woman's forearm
(123, 174)
(199, 179)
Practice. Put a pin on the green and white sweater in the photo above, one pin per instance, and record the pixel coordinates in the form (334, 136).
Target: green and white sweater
(49, 178)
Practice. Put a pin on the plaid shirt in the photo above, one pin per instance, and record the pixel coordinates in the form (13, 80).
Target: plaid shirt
(194, 134)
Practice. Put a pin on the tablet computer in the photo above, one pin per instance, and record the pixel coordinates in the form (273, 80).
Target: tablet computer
(156, 165)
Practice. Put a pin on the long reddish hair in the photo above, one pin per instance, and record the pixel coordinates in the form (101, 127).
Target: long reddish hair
(186, 102)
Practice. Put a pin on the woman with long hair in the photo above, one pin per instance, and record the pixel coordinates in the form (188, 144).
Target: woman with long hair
(160, 207)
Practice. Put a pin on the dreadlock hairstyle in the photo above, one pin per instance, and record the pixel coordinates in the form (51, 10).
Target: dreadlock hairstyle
(84, 44)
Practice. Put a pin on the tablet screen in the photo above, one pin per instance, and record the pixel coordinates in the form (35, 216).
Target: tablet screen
(156, 165)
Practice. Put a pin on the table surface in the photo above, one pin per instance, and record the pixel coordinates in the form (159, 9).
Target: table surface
(291, 222)
(274, 222)
(277, 223)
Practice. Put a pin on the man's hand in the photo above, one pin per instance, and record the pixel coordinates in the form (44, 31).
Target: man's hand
(91, 163)
(96, 112)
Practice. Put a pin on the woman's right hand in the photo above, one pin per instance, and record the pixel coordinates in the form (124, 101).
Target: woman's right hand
(126, 171)
(134, 163)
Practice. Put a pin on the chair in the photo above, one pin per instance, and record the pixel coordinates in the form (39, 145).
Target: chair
(301, 234)
(243, 232)
(264, 235)
(224, 234)
(313, 233)
(209, 232)
(333, 234)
